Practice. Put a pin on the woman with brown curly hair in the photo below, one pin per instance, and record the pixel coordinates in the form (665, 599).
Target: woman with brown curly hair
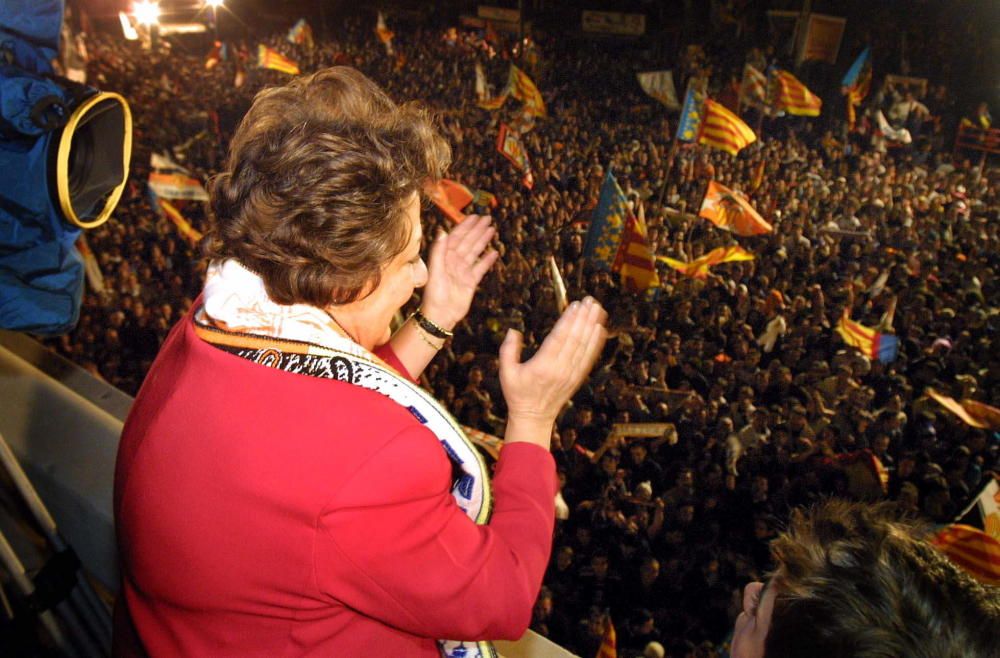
(283, 487)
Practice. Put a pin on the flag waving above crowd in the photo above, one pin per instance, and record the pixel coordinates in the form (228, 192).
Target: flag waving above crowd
(689, 123)
(871, 342)
(510, 146)
(971, 412)
(493, 103)
(857, 83)
(731, 212)
(617, 239)
(481, 86)
(301, 34)
(91, 268)
(975, 551)
(707, 122)
(523, 88)
(792, 96)
(900, 135)
(169, 180)
(183, 225)
(699, 267)
(483, 98)
(385, 35)
(660, 85)
(451, 198)
(268, 58)
(723, 130)
(215, 55)
(753, 87)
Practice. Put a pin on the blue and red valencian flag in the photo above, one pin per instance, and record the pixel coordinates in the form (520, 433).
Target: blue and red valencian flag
(872, 343)
(857, 83)
(617, 240)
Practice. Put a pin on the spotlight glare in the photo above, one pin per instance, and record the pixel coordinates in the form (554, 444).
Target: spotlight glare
(146, 12)
(214, 4)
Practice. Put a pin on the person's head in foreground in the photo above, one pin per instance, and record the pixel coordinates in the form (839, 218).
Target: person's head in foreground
(853, 581)
(321, 195)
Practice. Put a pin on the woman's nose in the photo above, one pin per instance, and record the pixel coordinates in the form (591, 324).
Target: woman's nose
(420, 274)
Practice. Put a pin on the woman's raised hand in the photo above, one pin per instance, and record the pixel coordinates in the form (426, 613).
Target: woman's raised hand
(537, 390)
(456, 264)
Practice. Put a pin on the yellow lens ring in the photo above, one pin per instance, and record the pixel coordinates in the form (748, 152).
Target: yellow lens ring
(62, 160)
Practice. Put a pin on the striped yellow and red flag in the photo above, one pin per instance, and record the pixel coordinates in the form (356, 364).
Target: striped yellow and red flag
(699, 267)
(609, 643)
(511, 147)
(722, 129)
(635, 262)
(731, 212)
(794, 97)
(494, 103)
(450, 197)
(183, 225)
(758, 175)
(523, 88)
(973, 550)
(972, 413)
(268, 58)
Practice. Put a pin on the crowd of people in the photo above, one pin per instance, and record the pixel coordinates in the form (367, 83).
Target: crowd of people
(766, 405)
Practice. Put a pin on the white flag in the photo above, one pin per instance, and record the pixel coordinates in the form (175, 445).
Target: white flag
(169, 180)
(901, 135)
(163, 162)
(480, 82)
(384, 34)
(660, 85)
(90, 266)
(559, 287)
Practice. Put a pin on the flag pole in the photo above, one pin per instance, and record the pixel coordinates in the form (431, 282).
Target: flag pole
(766, 105)
(688, 251)
(739, 94)
(520, 31)
(671, 155)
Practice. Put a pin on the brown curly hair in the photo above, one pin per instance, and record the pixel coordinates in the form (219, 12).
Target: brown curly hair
(854, 580)
(319, 174)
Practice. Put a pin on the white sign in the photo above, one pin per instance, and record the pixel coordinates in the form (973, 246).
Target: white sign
(614, 22)
(501, 14)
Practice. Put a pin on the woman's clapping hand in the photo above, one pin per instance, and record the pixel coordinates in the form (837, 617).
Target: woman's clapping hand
(456, 264)
(537, 390)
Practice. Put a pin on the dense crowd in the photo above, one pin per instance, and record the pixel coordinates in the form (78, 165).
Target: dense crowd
(766, 404)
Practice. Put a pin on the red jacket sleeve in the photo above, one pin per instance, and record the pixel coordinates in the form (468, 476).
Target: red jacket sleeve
(395, 546)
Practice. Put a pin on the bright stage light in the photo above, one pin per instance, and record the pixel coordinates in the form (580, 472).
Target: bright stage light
(146, 12)
(214, 4)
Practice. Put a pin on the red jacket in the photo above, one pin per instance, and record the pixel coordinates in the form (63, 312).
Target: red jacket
(265, 513)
